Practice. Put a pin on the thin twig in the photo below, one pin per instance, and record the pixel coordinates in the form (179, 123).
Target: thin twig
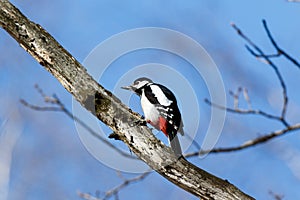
(261, 54)
(247, 98)
(60, 107)
(248, 111)
(279, 50)
(258, 53)
(236, 97)
(40, 108)
(115, 191)
(125, 183)
(249, 143)
(194, 142)
(276, 196)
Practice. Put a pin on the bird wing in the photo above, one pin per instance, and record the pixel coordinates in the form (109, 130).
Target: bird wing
(167, 109)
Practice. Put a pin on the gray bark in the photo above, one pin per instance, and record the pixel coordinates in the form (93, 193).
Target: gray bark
(109, 109)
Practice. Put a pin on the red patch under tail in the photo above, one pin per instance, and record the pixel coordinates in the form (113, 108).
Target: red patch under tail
(163, 125)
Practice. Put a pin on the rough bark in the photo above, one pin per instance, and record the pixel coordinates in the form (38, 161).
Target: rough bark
(109, 109)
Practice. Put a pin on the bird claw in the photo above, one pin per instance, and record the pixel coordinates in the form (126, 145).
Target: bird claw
(114, 136)
(140, 122)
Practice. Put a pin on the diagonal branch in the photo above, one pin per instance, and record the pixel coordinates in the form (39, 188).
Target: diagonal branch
(249, 143)
(60, 107)
(109, 109)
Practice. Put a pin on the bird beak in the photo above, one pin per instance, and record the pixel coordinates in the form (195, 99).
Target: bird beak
(127, 87)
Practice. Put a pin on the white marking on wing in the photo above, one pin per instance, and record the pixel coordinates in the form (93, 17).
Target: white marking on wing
(161, 97)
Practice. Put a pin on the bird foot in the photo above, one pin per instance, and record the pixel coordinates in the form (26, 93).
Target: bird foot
(140, 123)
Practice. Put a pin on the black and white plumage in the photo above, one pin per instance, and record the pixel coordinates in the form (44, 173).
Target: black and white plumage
(160, 109)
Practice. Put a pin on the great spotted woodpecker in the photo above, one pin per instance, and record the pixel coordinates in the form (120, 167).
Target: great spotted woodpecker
(160, 109)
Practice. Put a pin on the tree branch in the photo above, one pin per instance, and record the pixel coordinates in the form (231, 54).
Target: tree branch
(249, 143)
(246, 111)
(109, 109)
(266, 58)
(114, 191)
(60, 107)
(280, 51)
(258, 53)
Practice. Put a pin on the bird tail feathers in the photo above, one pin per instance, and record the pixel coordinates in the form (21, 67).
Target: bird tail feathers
(175, 145)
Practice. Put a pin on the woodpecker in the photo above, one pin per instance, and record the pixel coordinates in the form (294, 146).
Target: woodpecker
(160, 109)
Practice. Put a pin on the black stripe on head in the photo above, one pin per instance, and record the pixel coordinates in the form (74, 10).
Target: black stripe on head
(142, 79)
(140, 84)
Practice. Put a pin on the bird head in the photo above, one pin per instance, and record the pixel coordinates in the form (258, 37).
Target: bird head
(138, 84)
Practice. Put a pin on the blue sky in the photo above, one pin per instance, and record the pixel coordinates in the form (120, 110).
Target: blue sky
(48, 159)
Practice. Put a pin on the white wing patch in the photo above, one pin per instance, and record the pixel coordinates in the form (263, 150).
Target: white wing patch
(161, 98)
